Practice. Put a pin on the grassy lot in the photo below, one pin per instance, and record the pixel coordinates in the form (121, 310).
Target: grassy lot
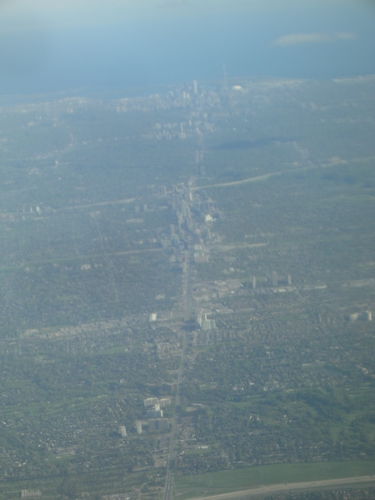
(241, 479)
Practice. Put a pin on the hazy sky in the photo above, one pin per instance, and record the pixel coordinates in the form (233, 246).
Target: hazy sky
(50, 45)
(57, 14)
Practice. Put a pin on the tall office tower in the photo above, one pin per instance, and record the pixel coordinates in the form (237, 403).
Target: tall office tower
(254, 282)
(195, 87)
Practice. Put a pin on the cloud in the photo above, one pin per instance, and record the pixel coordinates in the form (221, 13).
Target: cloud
(301, 38)
(346, 35)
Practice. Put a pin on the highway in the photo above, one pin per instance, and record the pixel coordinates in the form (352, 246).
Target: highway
(186, 285)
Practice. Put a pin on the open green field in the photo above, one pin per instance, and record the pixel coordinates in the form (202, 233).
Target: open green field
(252, 477)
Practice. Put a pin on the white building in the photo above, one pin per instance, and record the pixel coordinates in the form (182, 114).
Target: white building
(165, 402)
(205, 323)
(150, 402)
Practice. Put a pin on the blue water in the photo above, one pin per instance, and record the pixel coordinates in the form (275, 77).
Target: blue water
(176, 49)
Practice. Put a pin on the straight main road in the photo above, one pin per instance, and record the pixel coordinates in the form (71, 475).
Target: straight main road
(186, 286)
